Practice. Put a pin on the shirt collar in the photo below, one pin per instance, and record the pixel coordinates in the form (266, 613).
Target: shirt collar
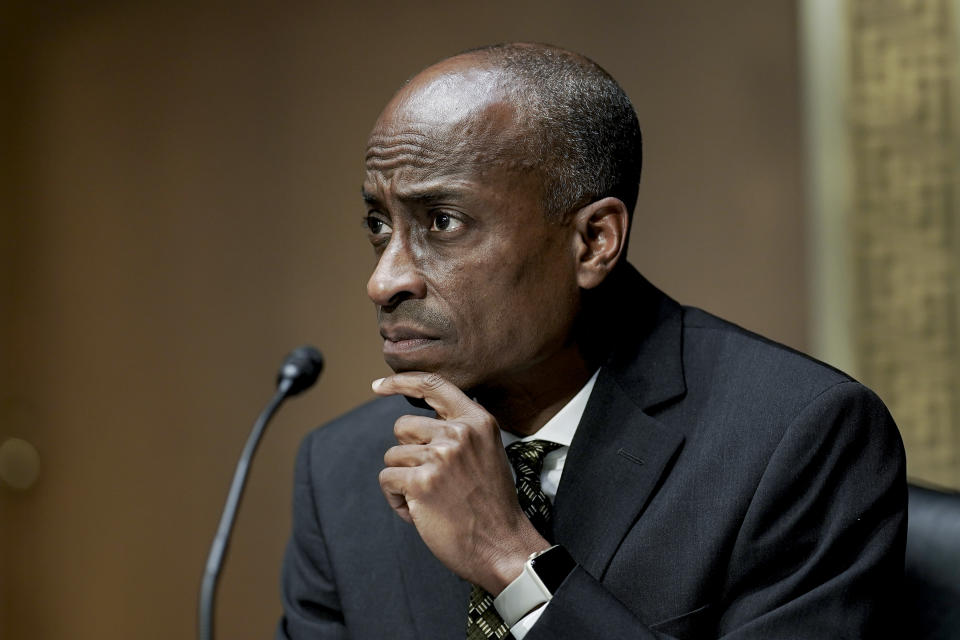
(561, 427)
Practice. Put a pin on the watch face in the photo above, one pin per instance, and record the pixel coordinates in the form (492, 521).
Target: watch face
(552, 567)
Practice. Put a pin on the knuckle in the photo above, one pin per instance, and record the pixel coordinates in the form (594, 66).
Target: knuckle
(442, 452)
(488, 424)
(458, 431)
(473, 431)
(427, 482)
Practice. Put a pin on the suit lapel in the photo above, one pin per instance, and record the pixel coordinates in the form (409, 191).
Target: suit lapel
(620, 454)
(437, 597)
(615, 463)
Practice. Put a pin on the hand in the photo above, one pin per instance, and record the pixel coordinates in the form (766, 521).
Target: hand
(449, 476)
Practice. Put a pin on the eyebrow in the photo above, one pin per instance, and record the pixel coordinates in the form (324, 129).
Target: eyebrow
(424, 196)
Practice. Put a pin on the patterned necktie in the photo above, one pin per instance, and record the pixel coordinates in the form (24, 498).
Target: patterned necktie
(483, 621)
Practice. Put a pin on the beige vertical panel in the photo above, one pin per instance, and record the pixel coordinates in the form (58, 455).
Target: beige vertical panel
(825, 76)
(903, 120)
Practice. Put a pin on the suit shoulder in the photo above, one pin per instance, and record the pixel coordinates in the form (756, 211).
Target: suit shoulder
(362, 430)
(759, 379)
(747, 393)
(708, 336)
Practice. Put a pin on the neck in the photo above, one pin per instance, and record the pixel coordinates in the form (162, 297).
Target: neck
(525, 403)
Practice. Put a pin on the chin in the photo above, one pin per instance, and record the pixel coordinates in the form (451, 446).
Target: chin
(401, 364)
(462, 380)
(406, 365)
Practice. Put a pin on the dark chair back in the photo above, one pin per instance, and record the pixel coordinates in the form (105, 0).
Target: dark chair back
(932, 581)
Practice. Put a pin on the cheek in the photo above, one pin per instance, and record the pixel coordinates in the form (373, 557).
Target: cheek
(520, 306)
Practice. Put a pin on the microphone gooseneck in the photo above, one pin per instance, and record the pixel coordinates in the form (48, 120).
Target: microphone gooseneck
(299, 371)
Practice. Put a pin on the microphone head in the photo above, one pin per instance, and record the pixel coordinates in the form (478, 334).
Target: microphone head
(300, 369)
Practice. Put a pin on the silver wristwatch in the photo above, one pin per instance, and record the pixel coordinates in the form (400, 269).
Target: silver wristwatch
(543, 573)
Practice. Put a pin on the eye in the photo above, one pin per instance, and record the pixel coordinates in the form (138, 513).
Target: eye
(445, 222)
(376, 225)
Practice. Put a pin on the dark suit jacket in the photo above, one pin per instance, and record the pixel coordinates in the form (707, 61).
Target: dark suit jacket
(719, 485)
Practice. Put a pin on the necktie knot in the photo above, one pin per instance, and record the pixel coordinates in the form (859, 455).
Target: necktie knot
(527, 457)
(527, 460)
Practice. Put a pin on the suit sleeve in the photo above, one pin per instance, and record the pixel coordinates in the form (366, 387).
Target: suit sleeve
(819, 553)
(311, 606)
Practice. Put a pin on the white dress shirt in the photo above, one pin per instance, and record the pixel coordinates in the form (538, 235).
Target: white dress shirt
(560, 429)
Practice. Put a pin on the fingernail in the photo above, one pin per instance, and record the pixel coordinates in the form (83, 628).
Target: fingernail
(376, 383)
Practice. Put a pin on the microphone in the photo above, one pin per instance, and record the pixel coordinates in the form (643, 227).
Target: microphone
(299, 371)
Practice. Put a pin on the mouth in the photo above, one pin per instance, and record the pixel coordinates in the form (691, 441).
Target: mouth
(398, 340)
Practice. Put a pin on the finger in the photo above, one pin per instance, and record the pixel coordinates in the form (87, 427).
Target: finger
(417, 429)
(445, 398)
(392, 480)
(407, 455)
(395, 480)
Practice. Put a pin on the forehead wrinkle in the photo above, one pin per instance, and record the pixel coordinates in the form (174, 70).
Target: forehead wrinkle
(461, 150)
(386, 150)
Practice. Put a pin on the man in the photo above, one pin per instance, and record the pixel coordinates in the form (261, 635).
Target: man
(696, 480)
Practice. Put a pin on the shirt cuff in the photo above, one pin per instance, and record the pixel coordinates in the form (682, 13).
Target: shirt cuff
(526, 623)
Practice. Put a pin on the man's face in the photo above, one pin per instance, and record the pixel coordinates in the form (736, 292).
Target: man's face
(472, 281)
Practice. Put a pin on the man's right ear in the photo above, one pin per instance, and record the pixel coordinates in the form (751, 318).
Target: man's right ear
(601, 236)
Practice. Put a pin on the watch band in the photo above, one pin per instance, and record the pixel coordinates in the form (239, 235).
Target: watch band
(542, 574)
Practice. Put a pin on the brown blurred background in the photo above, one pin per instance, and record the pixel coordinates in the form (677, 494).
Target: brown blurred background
(180, 208)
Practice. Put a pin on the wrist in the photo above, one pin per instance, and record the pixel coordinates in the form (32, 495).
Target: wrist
(510, 565)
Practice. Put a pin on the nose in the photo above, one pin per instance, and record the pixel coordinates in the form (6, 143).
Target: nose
(396, 277)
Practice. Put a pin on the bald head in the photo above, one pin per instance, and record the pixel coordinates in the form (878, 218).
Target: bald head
(534, 108)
